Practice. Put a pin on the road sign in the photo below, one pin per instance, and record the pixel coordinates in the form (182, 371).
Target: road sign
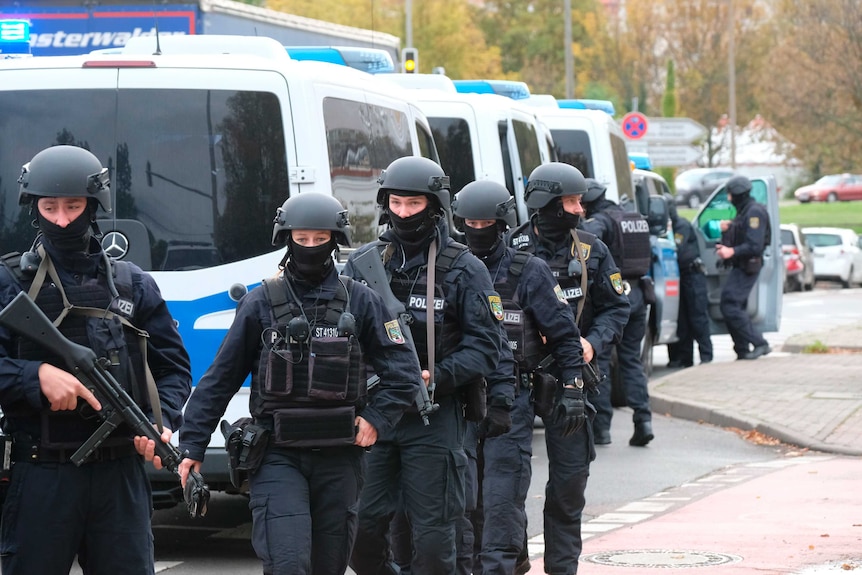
(635, 125)
(674, 131)
(672, 156)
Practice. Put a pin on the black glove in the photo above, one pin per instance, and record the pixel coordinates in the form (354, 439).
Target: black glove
(569, 410)
(498, 420)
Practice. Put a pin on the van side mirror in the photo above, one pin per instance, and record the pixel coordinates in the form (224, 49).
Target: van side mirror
(658, 215)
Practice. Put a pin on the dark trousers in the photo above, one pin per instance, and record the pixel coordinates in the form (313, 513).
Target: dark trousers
(100, 512)
(465, 536)
(304, 505)
(423, 468)
(734, 308)
(632, 374)
(693, 320)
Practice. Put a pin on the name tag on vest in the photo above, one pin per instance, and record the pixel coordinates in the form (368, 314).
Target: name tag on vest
(418, 302)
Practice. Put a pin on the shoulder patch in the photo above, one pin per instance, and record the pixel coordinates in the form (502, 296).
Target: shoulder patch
(495, 304)
(754, 222)
(559, 293)
(617, 282)
(393, 331)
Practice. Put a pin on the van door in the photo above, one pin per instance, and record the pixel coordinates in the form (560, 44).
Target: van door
(765, 301)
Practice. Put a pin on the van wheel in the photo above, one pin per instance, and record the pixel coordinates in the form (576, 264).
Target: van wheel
(846, 283)
(694, 201)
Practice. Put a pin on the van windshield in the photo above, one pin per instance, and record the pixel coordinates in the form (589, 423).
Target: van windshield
(196, 175)
(573, 147)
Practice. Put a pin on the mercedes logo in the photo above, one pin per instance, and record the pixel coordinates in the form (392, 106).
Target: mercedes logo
(116, 245)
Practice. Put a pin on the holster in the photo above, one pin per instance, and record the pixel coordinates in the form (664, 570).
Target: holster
(474, 396)
(246, 444)
(647, 286)
(752, 265)
(545, 388)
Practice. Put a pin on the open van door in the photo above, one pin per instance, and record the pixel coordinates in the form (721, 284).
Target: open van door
(764, 302)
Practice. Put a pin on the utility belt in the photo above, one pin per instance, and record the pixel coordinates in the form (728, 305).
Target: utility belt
(30, 452)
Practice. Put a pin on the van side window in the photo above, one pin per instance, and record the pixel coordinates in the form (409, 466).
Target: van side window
(362, 139)
(455, 147)
(426, 142)
(528, 148)
(623, 169)
(503, 131)
(573, 147)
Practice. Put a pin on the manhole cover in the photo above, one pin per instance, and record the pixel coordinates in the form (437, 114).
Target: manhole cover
(660, 558)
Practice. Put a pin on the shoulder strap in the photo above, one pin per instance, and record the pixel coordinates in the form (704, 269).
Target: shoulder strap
(277, 299)
(584, 272)
(449, 256)
(519, 261)
(12, 261)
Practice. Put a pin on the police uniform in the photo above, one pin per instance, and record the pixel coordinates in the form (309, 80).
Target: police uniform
(604, 314)
(304, 495)
(423, 465)
(533, 304)
(693, 301)
(748, 235)
(100, 511)
(632, 376)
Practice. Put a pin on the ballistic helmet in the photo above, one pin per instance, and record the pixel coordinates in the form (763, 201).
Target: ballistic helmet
(311, 211)
(64, 172)
(484, 200)
(551, 181)
(595, 190)
(412, 175)
(738, 185)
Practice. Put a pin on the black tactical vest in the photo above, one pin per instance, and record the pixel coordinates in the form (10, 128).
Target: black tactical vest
(630, 247)
(521, 329)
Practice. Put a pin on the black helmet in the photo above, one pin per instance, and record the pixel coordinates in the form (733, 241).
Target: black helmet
(738, 185)
(595, 190)
(551, 181)
(64, 172)
(484, 200)
(311, 211)
(414, 175)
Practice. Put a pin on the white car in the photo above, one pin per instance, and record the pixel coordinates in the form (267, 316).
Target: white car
(837, 254)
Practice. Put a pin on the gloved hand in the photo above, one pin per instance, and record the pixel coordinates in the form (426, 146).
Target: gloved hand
(569, 410)
(498, 419)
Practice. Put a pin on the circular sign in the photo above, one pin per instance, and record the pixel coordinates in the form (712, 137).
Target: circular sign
(634, 125)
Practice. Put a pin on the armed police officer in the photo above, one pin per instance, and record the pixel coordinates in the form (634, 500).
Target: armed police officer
(304, 336)
(626, 233)
(421, 464)
(592, 285)
(100, 511)
(743, 241)
(693, 302)
(533, 305)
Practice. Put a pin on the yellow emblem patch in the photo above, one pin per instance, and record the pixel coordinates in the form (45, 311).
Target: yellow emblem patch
(559, 293)
(617, 282)
(585, 249)
(393, 331)
(496, 305)
(754, 222)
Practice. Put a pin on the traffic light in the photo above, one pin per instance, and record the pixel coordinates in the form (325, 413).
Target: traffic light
(410, 60)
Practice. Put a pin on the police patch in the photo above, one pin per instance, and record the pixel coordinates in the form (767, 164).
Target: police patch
(585, 249)
(559, 293)
(617, 282)
(496, 305)
(754, 222)
(393, 331)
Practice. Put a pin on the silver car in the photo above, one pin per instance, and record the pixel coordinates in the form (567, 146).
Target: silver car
(837, 254)
(798, 259)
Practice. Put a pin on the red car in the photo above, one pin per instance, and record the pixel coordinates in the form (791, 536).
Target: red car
(834, 188)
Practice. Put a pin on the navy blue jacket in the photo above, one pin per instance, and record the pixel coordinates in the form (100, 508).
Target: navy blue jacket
(747, 234)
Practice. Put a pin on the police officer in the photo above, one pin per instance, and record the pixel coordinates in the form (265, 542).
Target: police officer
(592, 285)
(423, 465)
(627, 235)
(743, 241)
(533, 304)
(100, 511)
(304, 336)
(693, 303)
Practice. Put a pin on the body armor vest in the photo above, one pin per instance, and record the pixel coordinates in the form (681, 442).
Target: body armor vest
(630, 247)
(325, 370)
(521, 329)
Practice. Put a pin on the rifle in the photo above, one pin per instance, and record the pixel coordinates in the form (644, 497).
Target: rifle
(24, 317)
(370, 268)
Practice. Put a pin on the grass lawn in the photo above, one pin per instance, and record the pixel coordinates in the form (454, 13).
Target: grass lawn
(837, 214)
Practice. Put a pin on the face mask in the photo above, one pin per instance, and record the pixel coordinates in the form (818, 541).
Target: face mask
(73, 238)
(412, 228)
(482, 241)
(738, 200)
(554, 223)
(311, 263)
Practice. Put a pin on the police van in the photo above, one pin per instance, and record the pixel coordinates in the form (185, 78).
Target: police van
(202, 149)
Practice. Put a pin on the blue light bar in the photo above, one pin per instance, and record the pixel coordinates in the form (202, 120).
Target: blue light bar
(14, 37)
(509, 88)
(371, 60)
(603, 105)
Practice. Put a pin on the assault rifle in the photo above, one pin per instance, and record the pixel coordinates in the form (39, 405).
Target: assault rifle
(370, 268)
(24, 317)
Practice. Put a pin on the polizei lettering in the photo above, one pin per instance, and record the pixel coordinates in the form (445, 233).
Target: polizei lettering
(572, 293)
(634, 226)
(418, 302)
(512, 317)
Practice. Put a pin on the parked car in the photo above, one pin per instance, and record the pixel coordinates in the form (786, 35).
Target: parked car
(832, 188)
(798, 259)
(694, 186)
(837, 254)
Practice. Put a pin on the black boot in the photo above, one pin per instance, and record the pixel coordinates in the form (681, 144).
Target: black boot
(643, 434)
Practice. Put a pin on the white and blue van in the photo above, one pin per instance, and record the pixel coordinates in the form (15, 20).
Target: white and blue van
(202, 149)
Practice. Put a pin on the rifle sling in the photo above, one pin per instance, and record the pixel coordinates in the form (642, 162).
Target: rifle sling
(430, 340)
(583, 300)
